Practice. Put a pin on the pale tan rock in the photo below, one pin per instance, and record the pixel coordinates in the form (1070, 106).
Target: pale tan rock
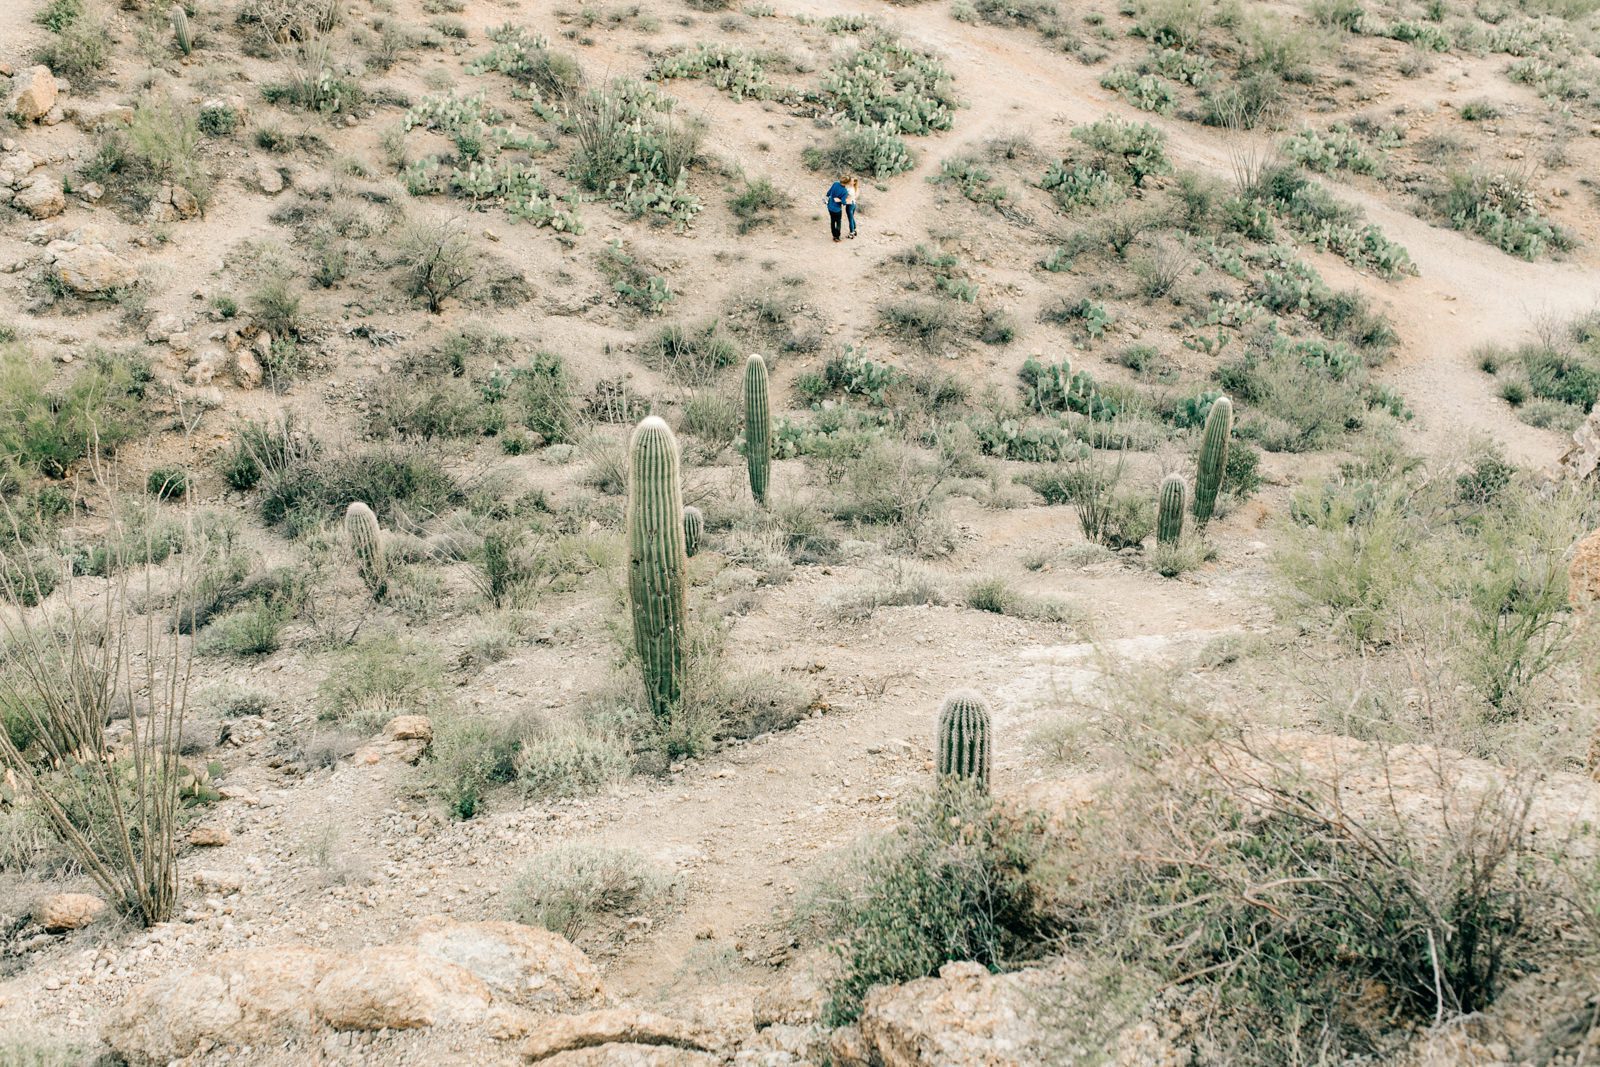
(92, 269)
(621, 1026)
(398, 987)
(1583, 572)
(269, 179)
(68, 911)
(209, 836)
(184, 202)
(33, 94)
(248, 370)
(15, 166)
(41, 196)
(224, 883)
(522, 965)
(408, 728)
(240, 998)
(632, 1055)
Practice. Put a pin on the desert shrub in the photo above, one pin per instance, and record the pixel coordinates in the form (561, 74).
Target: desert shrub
(57, 15)
(954, 880)
(1137, 149)
(251, 629)
(1341, 148)
(167, 483)
(693, 354)
(436, 262)
(632, 280)
(45, 428)
(1110, 513)
(266, 450)
(161, 143)
(735, 71)
(996, 595)
(447, 408)
(317, 79)
(757, 203)
(900, 585)
(399, 482)
(886, 83)
(629, 143)
(572, 887)
(1500, 208)
(379, 677)
(527, 58)
(926, 322)
(559, 757)
(874, 151)
(541, 390)
(1146, 92)
(468, 757)
(894, 486)
(79, 45)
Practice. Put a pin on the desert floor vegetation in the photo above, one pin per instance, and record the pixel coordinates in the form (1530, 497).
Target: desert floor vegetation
(470, 539)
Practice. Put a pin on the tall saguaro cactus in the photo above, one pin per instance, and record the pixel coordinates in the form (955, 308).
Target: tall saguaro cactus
(1169, 517)
(180, 29)
(366, 540)
(657, 562)
(694, 528)
(757, 427)
(964, 738)
(1213, 458)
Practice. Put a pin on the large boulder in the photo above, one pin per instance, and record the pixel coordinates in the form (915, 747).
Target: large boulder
(41, 196)
(33, 94)
(397, 987)
(93, 269)
(522, 965)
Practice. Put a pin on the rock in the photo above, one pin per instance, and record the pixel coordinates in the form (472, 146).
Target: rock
(33, 94)
(209, 836)
(162, 327)
(795, 999)
(68, 911)
(522, 965)
(623, 1026)
(1583, 572)
(41, 196)
(631, 1055)
(247, 368)
(219, 882)
(206, 367)
(92, 192)
(92, 269)
(408, 728)
(397, 987)
(1582, 457)
(92, 117)
(184, 202)
(239, 998)
(14, 167)
(269, 179)
(405, 738)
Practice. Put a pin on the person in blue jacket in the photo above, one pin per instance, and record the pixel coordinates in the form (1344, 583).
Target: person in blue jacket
(841, 199)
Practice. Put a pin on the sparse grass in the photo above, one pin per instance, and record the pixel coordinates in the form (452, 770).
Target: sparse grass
(758, 203)
(577, 889)
(46, 427)
(379, 677)
(997, 596)
(80, 44)
(692, 354)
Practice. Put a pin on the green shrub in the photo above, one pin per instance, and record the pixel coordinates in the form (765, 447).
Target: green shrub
(379, 677)
(541, 389)
(886, 83)
(692, 354)
(45, 429)
(757, 203)
(1137, 148)
(1500, 208)
(569, 888)
(57, 15)
(955, 880)
(79, 49)
(468, 757)
(168, 483)
(873, 151)
(923, 321)
(160, 144)
(249, 630)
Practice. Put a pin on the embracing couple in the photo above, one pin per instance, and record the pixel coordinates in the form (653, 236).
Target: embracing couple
(841, 199)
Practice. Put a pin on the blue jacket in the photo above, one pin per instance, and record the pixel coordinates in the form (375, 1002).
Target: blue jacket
(837, 195)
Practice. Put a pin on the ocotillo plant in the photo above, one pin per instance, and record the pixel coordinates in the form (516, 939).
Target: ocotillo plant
(964, 738)
(657, 563)
(180, 29)
(1213, 458)
(366, 541)
(694, 527)
(757, 427)
(1169, 517)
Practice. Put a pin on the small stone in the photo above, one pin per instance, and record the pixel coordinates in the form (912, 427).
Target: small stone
(269, 179)
(68, 911)
(209, 836)
(184, 202)
(41, 196)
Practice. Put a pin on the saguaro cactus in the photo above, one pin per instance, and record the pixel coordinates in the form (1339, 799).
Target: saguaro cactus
(757, 427)
(1213, 458)
(657, 562)
(180, 29)
(694, 527)
(1169, 518)
(964, 738)
(366, 541)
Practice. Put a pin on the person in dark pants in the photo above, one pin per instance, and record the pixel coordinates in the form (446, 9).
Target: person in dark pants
(838, 199)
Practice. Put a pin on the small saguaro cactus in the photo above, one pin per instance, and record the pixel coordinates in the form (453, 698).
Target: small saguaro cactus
(366, 541)
(1213, 458)
(657, 562)
(1169, 517)
(757, 427)
(964, 738)
(694, 528)
(180, 29)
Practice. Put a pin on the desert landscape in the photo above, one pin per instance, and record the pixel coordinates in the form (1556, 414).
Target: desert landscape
(486, 578)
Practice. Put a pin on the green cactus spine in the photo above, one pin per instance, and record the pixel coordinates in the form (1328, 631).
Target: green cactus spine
(366, 541)
(1213, 459)
(694, 528)
(757, 427)
(964, 738)
(180, 29)
(657, 563)
(1169, 518)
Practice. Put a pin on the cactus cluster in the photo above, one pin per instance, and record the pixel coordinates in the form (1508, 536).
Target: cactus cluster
(694, 528)
(366, 541)
(964, 738)
(757, 427)
(1213, 458)
(180, 29)
(1169, 516)
(657, 563)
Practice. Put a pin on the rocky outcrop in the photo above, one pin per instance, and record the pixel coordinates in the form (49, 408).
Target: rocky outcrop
(613, 1026)
(405, 738)
(627, 1055)
(450, 974)
(1583, 572)
(33, 94)
(68, 911)
(90, 269)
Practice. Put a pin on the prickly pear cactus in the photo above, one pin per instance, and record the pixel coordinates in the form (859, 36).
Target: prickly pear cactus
(964, 738)
(657, 562)
(1213, 458)
(1169, 517)
(694, 528)
(757, 427)
(366, 541)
